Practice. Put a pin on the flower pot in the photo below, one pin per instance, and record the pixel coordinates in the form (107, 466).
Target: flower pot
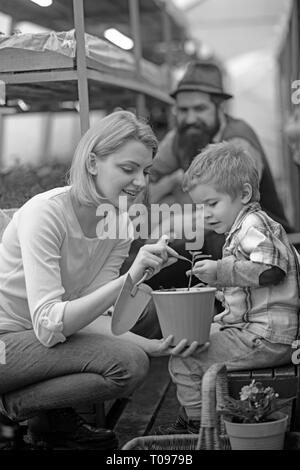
(185, 313)
(258, 436)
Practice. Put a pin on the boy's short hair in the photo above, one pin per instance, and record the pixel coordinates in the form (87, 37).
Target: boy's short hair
(227, 166)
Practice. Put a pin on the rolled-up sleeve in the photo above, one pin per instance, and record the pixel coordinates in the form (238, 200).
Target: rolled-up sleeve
(41, 234)
(259, 251)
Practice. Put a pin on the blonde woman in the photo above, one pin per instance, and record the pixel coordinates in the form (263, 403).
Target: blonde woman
(58, 274)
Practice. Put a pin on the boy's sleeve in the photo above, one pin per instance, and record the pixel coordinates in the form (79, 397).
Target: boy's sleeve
(264, 253)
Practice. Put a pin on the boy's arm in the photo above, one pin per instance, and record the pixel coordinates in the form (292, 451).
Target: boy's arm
(231, 272)
(267, 261)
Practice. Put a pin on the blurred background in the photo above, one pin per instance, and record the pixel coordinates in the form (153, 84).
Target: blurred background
(255, 42)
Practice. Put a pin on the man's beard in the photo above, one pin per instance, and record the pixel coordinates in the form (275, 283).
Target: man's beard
(191, 139)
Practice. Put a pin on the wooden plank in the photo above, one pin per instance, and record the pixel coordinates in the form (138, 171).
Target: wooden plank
(285, 371)
(99, 78)
(141, 410)
(168, 411)
(43, 76)
(21, 60)
(14, 60)
(240, 374)
(83, 92)
(136, 33)
(262, 374)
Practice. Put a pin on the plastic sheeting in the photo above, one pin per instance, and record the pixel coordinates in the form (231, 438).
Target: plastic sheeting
(98, 49)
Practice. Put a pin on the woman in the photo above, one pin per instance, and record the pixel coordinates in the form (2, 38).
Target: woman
(59, 273)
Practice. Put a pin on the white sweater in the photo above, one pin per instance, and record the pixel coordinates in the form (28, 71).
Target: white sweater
(46, 261)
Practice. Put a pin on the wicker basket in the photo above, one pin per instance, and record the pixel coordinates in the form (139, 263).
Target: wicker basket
(172, 442)
(211, 434)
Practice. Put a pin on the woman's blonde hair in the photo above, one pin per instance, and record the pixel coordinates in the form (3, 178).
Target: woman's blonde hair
(225, 165)
(103, 139)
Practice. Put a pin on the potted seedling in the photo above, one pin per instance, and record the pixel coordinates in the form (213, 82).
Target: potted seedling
(186, 312)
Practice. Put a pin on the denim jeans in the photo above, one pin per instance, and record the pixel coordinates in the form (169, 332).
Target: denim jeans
(237, 349)
(89, 367)
(84, 369)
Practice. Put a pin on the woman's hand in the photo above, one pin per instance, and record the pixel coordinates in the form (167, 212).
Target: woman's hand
(163, 347)
(205, 270)
(155, 256)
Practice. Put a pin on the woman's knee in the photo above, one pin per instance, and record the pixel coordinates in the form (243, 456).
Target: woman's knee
(122, 364)
(136, 366)
(128, 369)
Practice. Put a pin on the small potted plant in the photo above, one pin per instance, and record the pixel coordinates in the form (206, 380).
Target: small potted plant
(254, 421)
(186, 312)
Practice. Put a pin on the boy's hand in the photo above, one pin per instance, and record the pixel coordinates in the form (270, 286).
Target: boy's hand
(205, 270)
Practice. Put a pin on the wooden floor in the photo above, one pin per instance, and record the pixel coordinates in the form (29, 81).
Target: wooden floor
(153, 404)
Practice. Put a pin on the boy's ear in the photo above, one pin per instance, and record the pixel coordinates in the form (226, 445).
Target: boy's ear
(246, 193)
(92, 164)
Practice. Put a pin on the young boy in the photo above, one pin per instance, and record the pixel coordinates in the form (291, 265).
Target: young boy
(256, 278)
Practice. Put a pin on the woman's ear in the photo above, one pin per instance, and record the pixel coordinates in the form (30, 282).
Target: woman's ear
(92, 164)
(246, 193)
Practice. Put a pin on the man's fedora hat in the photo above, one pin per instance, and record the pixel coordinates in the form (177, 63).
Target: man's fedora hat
(202, 76)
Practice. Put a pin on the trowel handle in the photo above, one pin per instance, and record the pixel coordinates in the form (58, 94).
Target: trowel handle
(146, 274)
(149, 271)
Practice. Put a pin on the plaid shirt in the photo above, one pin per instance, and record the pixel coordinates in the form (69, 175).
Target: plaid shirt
(254, 244)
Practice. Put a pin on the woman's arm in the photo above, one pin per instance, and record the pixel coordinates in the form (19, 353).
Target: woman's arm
(80, 312)
(42, 232)
(155, 256)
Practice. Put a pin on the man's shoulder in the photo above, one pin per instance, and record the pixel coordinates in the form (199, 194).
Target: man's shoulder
(168, 138)
(236, 123)
(165, 157)
(236, 127)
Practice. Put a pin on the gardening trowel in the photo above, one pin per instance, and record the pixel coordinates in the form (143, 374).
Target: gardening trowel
(130, 303)
(132, 300)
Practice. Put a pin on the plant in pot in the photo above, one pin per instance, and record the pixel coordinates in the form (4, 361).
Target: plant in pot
(186, 312)
(254, 422)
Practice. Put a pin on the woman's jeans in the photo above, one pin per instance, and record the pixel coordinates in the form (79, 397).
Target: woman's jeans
(237, 349)
(85, 369)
